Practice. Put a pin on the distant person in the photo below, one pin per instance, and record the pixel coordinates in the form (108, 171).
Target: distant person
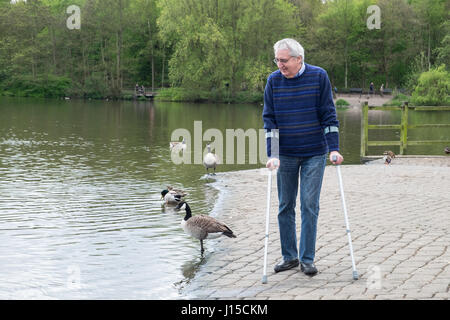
(371, 88)
(298, 102)
(136, 88)
(381, 89)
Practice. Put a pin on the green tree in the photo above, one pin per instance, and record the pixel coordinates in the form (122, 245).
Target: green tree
(432, 16)
(222, 43)
(212, 48)
(334, 43)
(398, 28)
(443, 51)
(433, 88)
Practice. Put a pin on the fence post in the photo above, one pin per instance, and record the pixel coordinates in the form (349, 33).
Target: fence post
(404, 129)
(364, 129)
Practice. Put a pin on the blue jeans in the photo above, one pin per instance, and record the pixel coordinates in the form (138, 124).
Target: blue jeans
(311, 171)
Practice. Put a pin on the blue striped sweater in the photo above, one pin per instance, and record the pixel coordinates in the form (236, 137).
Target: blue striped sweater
(303, 111)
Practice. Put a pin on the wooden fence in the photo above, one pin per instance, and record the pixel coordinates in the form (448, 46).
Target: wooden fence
(404, 126)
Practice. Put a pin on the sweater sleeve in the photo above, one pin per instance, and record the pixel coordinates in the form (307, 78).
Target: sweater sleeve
(270, 122)
(327, 114)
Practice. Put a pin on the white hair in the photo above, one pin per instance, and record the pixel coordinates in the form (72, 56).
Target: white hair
(295, 48)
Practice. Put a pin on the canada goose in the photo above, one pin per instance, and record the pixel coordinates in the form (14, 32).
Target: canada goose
(202, 226)
(210, 160)
(447, 150)
(176, 146)
(172, 196)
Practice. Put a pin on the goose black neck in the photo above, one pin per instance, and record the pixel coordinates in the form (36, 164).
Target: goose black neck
(188, 212)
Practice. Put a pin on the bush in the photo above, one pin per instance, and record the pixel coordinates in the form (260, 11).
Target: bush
(342, 103)
(248, 97)
(433, 88)
(40, 86)
(214, 95)
(397, 100)
(182, 95)
(94, 87)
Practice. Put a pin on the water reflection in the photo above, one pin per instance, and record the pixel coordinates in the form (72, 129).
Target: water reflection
(80, 208)
(189, 269)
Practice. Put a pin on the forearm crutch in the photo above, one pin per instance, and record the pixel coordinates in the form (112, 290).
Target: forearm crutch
(347, 225)
(266, 240)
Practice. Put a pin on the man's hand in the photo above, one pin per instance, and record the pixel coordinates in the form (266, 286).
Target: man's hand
(273, 163)
(339, 157)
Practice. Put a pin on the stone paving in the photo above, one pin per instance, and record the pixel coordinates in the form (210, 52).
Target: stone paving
(399, 218)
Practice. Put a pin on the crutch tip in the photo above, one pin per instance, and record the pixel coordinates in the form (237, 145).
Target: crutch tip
(264, 279)
(355, 275)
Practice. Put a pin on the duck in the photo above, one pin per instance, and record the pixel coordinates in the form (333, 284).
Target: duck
(202, 226)
(210, 160)
(172, 196)
(177, 191)
(447, 150)
(177, 146)
(388, 156)
(389, 153)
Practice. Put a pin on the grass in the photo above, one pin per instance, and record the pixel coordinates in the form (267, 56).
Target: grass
(397, 100)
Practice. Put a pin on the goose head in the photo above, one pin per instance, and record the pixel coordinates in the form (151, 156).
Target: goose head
(181, 206)
(184, 206)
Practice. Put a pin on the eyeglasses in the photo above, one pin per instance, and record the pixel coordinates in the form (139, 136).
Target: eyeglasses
(281, 60)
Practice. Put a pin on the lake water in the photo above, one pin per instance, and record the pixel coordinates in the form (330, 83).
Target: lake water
(80, 183)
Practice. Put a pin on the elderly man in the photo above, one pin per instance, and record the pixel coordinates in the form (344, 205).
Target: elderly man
(298, 102)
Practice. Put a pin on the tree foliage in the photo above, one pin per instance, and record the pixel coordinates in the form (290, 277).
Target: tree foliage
(218, 43)
(224, 47)
(433, 88)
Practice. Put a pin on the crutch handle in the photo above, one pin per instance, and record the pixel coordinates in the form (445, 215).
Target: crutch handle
(334, 157)
(273, 164)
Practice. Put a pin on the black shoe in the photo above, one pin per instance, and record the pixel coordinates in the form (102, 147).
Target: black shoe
(286, 265)
(308, 268)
